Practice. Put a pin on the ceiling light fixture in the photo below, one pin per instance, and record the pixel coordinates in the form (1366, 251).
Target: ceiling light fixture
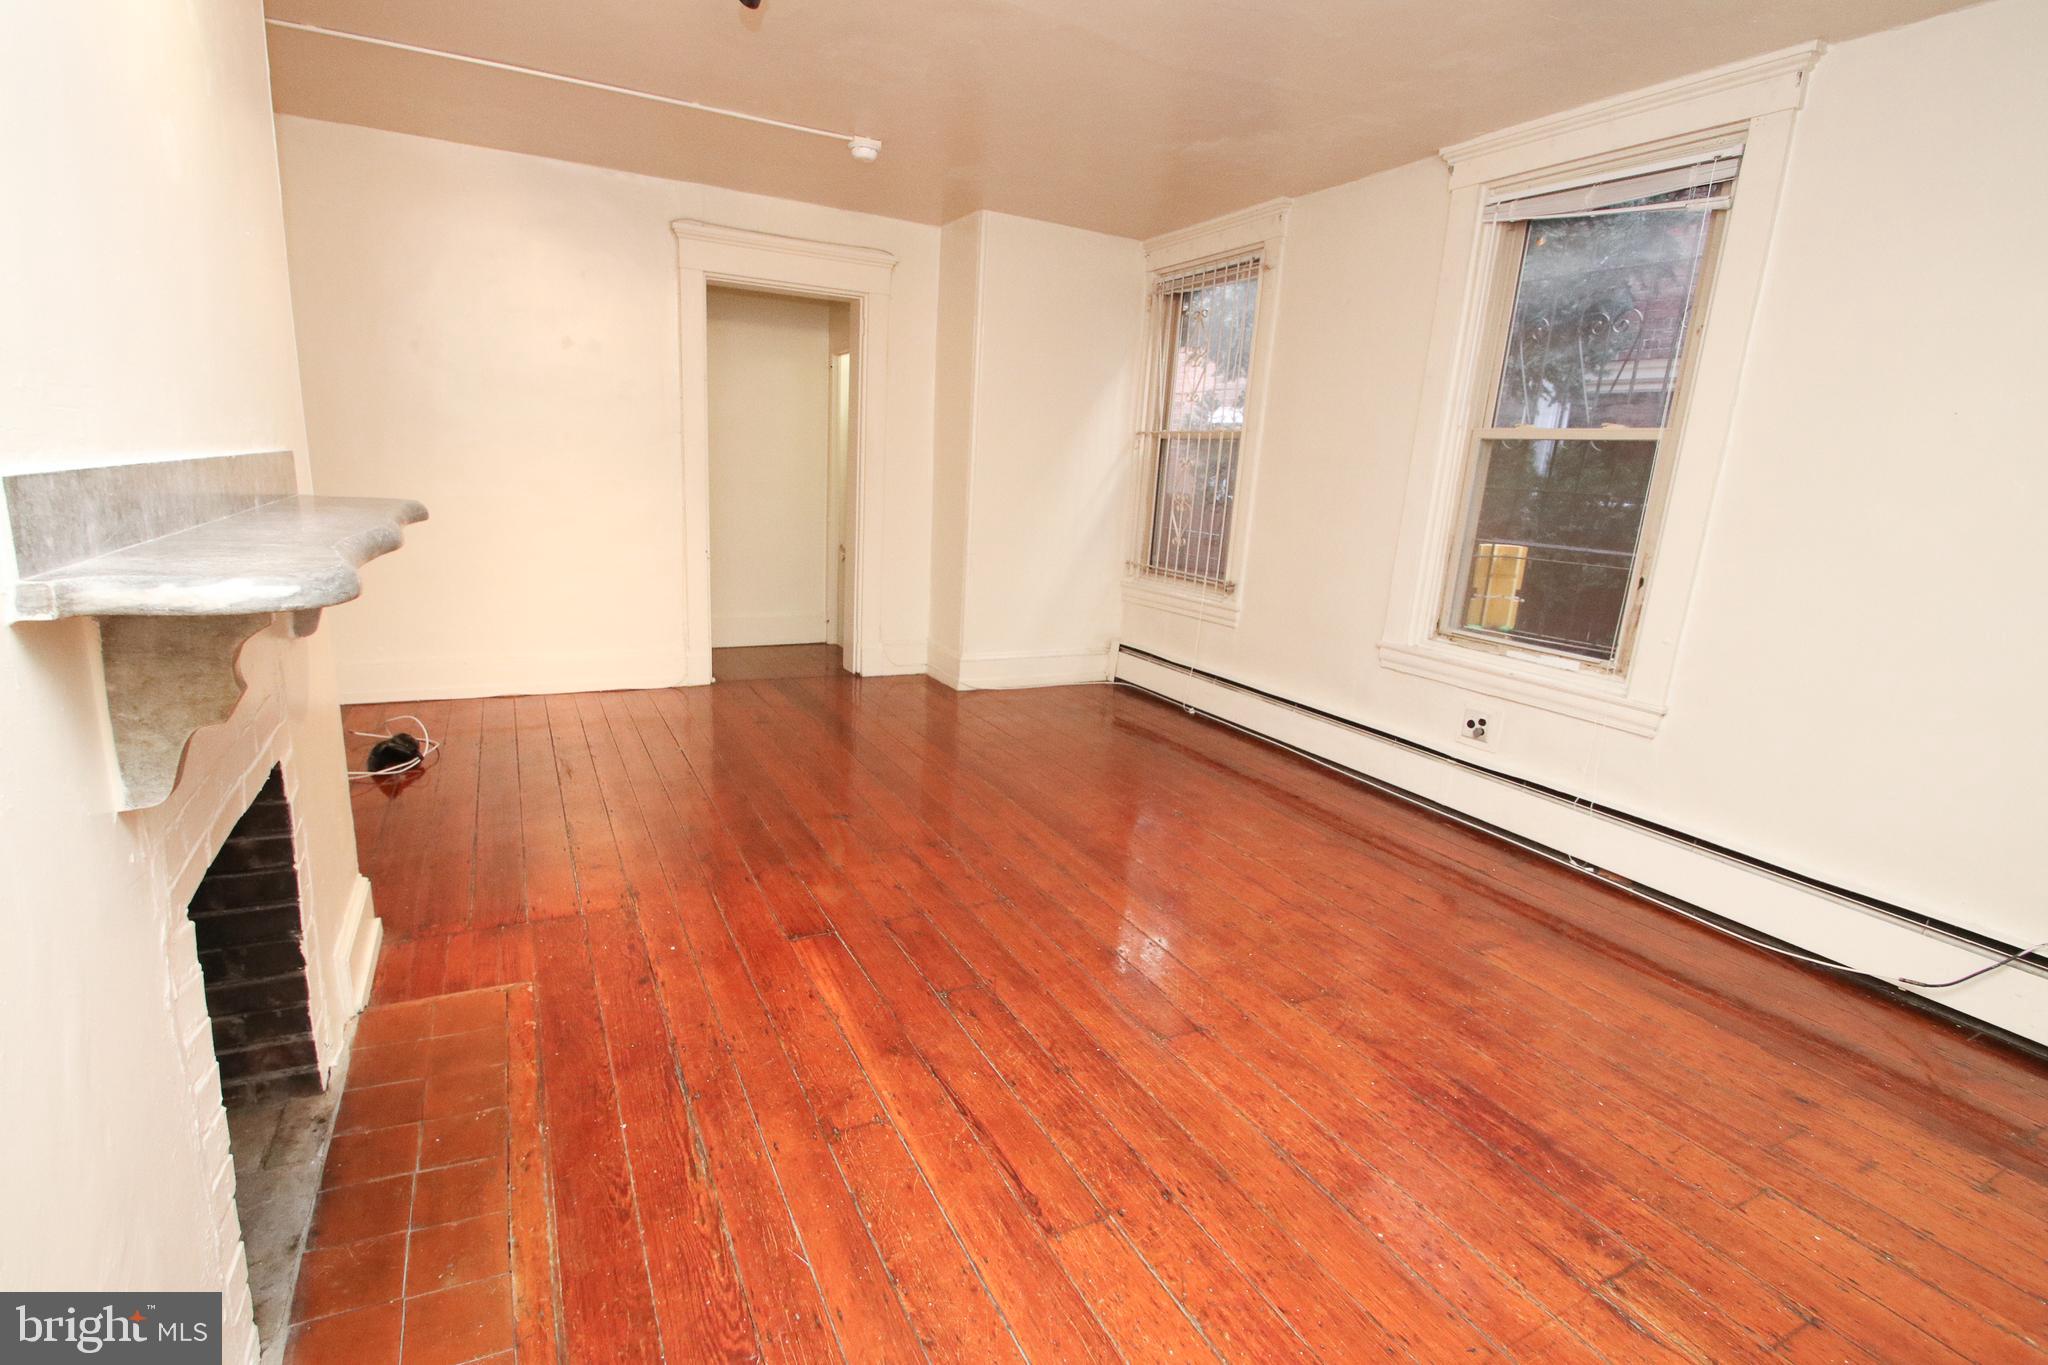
(864, 149)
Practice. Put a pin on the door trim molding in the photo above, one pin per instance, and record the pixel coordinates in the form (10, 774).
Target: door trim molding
(710, 254)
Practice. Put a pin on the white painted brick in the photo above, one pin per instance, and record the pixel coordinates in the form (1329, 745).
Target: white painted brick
(225, 769)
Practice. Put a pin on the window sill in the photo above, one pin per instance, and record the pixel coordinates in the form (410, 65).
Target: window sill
(1162, 594)
(1563, 691)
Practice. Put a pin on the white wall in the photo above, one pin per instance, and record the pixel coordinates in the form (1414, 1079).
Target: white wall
(142, 260)
(1040, 325)
(770, 414)
(1858, 660)
(959, 332)
(497, 335)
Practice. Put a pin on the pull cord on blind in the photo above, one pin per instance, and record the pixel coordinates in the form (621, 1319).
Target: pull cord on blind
(1711, 173)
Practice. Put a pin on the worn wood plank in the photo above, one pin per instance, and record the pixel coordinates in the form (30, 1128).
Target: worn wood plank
(607, 1301)
(535, 1321)
(548, 874)
(498, 889)
(872, 1020)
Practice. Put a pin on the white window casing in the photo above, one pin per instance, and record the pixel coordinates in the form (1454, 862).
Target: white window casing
(1685, 134)
(1245, 245)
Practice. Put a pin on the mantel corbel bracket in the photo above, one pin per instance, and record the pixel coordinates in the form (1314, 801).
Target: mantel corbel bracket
(182, 563)
(168, 677)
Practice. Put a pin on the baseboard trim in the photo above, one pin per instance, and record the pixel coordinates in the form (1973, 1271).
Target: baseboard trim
(895, 659)
(365, 938)
(497, 676)
(2013, 1001)
(1034, 668)
(943, 664)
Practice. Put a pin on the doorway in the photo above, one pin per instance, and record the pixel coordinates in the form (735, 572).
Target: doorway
(779, 408)
(710, 258)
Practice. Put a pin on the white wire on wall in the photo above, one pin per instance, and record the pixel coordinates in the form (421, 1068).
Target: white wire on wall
(672, 101)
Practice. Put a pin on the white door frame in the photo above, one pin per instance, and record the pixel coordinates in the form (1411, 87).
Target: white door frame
(839, 467)
(709, 254)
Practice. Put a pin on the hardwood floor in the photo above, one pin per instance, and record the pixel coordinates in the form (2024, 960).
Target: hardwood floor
(882, 1022)
(757, 662)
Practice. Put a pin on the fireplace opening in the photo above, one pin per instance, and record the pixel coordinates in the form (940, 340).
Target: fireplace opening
(245, 916)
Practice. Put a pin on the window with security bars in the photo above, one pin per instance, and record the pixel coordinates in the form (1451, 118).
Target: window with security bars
(1596, 310)
(1189, 458)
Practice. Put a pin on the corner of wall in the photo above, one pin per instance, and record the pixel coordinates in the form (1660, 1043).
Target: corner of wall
(943, 663)
(962, 245)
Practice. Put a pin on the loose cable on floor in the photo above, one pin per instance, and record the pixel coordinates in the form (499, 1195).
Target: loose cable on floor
(402, 751)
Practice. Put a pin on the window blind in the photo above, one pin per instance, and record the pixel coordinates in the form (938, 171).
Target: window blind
(1711, 172)
(1243, 268)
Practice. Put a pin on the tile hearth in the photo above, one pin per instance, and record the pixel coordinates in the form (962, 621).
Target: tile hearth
(425, 1208)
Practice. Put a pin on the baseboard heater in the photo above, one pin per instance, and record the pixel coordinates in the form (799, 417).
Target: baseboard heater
(2036, 963)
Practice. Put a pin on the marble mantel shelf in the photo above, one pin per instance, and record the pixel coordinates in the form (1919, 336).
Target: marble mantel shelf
(295, 554)
(181, 562)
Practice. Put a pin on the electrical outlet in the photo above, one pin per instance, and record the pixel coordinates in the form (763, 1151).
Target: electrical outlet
(1475, 727)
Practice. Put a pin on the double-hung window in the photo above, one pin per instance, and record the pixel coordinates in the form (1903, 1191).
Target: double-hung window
(1192, 449)
(1577, 410)
(1592, 322)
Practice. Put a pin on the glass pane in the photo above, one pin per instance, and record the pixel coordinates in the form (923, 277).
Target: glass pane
(1197, 482)
(1600, 314)
(1554, 541)
(1212, 356)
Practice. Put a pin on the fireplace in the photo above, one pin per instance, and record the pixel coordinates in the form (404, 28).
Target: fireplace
(159, 587)
(250, 933)
(159, 606)
(246, 921)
